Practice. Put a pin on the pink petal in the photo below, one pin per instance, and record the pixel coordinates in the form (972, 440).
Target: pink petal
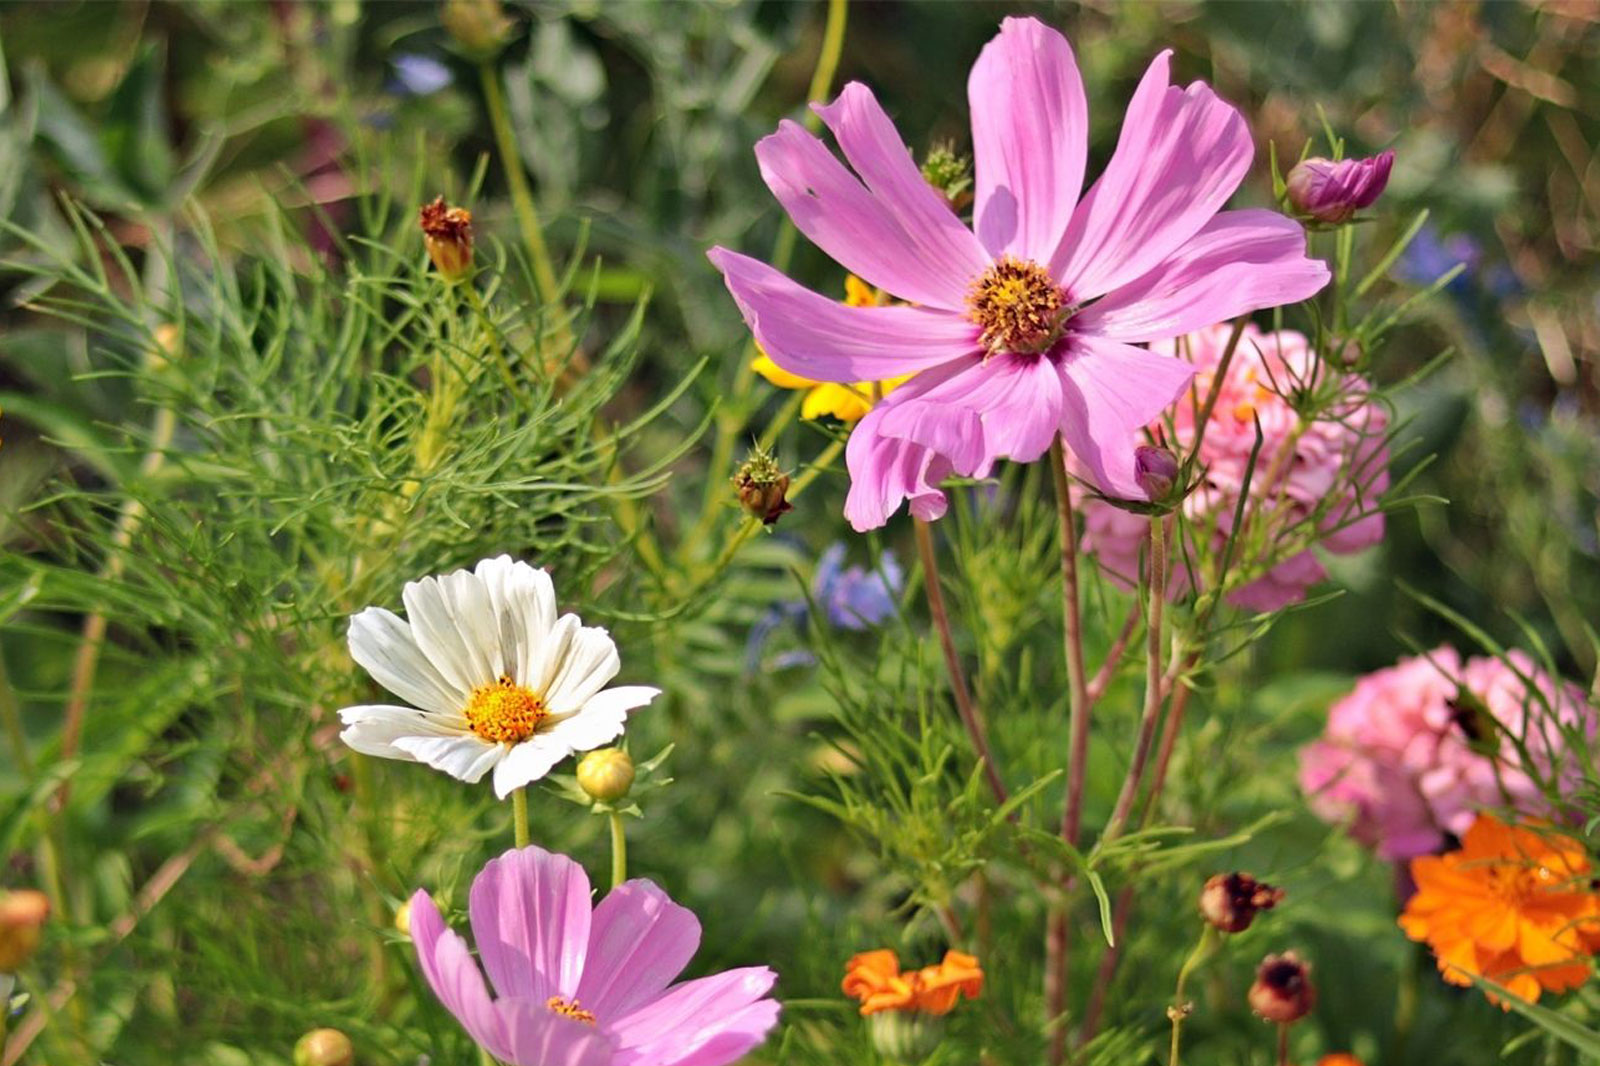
(1240, 261)
(861, 230)
(1030, 132)
(943, 246)
(1110, 392)
(708, 1022)
(456, 979)
(538, 1036)
(530, 917)
(980, 410)
(822, 339)
(639, 942)
(886, 470)
(1181, 154)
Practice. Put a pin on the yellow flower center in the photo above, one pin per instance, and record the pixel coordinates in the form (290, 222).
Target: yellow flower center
(571, 1009)
(1019, 306)
(504, 712)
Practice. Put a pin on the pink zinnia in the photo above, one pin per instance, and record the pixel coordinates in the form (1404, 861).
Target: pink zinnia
(1026, 327)
(1333, 468)
(585, 985)
(1408, 755)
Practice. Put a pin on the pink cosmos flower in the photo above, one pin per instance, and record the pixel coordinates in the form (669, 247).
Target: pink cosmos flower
(1410, 755)
(1027, 325)
(585, 985)
(1333, 192)
(1338, 462)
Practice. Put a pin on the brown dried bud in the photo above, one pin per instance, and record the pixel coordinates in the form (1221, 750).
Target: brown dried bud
(22, 913)
(1283, 991)
(1230, 902)
(447, 231)
(324, 1047)
(763, 487)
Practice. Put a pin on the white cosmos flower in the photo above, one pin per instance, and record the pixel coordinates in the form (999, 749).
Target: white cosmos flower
(495, 679)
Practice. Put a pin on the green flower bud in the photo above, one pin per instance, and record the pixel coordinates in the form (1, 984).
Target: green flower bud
(606, 774)
(324, 1047)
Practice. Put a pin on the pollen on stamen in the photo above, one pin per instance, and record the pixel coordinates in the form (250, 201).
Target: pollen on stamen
(1019, 306)
(572, 1009)
(504, 712)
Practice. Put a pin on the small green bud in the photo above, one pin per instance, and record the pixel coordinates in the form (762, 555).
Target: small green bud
(905, 1036)
(324, 1047)
(950, 174)
(481, 27)
(606, 774)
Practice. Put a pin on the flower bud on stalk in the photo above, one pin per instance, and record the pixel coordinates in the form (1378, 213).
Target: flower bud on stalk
(763, 487)
(1230, 902)
(1156, 470)
(447, 231)
(1333, 192)
(1282, 991)
(481, 27)
(402, 918)
(22, 913)
(606, 774)
(324, 1047)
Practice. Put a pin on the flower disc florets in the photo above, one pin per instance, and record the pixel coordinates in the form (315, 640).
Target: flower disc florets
(504, 712)
(1019, 306)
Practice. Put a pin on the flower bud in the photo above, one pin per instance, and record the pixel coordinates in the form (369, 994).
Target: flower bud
(1283, 991)
(950, 174)
(324, 1047)
(481, 27)
(1332, 192)
(1156, 471)
(606, 774)
(402, 918)
(447, 231)
(21, 915)
(763, 487)
(902, 1036)
(1230, 902)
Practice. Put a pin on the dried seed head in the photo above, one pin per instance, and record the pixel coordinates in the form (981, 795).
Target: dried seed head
(1230, 902)
(1282, 991)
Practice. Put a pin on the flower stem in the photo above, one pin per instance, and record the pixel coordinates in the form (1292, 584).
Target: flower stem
(970, 716)
(1218, 376)
(1283, 1044)
(544, 273)
(1209, 940)
(519, 817)
(619, 850)
(1153, 688)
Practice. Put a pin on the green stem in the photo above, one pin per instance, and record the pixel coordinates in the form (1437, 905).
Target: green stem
(1209, 941)
(619, 850)
(493, 334)
(519, 817)
(505, 140)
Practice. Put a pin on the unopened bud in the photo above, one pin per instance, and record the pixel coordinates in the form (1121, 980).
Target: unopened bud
(481, 27)
(606, 774)
(1282, 991)
(763, 487)
(324, 1047)
(168, 344)
(447, 231)
(905, 1036)
(22, 913)
(950, 174)
(1156, 471)
(1230, 902)
(402, 918)
(1333, 192)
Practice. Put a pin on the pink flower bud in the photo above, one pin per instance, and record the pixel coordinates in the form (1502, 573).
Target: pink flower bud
(1156, 470)
(1333, 192)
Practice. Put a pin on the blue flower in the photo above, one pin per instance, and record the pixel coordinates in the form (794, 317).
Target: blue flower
(419, 75)
(851, 598)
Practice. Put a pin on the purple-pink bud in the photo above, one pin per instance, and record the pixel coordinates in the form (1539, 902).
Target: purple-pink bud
(1332, 192)
(1155, 469)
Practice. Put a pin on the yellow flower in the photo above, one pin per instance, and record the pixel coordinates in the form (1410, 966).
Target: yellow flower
(847, 403)
(1514, 905)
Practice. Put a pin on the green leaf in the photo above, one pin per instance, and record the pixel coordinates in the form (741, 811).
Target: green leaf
(1558, 1025)
(136, 127)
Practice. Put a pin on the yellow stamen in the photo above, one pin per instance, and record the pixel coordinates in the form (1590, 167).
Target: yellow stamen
(504, 712)
(1019, 306)
(571, 1009)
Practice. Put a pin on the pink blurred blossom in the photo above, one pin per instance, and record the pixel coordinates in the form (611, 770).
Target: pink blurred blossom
(1339, 457)
(1409, 757)
(1028, 324)
(583, 985)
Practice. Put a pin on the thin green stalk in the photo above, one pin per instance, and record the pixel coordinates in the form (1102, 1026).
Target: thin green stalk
(1179, 1010)
(1283, 1044)
(752, 526)
(1218, 376)
(493, 334)
(519, 818)
(505, 140)
(619, 850)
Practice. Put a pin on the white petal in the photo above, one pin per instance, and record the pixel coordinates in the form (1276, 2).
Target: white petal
(528, 762)
(373, 729)
(587, 663)
(466, 757)
(455, 627)
(386, 648)
(622, 698)
(524, 604)
(600, 721)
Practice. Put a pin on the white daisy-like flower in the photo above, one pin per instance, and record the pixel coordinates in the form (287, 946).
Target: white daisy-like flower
(496, 680)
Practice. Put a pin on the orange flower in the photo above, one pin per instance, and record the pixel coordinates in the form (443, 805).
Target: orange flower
(875, 979)
(1514, 905)
(1339, 1058)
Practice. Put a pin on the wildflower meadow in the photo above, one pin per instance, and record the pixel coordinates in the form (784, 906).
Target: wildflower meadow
(839, 533)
